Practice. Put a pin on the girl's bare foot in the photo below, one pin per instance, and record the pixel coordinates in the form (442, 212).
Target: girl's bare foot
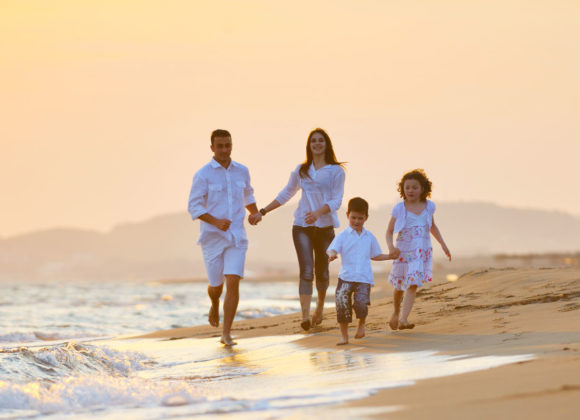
(342, 342)
(360, 332)
(394, 322)
(227, 341)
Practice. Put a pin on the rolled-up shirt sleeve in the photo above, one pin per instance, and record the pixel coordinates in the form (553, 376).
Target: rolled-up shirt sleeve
(248, 191)
(290, 189)
(375, 247)
(337, 191)
(197, 197)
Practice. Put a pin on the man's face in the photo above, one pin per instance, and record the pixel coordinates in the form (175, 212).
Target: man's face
(222, 148)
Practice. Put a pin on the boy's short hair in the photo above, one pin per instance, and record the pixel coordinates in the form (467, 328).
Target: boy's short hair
(219, 133)
(359, 205)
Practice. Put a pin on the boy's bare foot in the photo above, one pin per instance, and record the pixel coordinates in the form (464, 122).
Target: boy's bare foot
(360, 332)
(342, 342)
(406, 325)
(214, 314)
(394, 322)
(227, 341)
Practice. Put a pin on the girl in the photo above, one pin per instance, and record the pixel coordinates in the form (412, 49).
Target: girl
(412, 219)
(321, 179)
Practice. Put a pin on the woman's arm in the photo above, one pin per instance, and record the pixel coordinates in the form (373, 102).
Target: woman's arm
(437, 235)
(335, 198)
(286, 194)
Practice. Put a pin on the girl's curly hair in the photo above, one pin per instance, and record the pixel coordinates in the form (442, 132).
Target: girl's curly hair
(421, 176)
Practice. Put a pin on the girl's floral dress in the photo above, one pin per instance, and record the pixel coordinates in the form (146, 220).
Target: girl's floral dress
(414, 265)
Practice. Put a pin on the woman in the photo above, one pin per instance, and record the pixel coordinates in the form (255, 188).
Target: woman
(321, 178)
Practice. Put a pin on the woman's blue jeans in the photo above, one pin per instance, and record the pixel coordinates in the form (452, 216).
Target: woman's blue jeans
(311, 243)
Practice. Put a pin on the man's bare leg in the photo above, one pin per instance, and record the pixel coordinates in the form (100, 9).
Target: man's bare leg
(214, 294)
(230, 307)
(397, 298)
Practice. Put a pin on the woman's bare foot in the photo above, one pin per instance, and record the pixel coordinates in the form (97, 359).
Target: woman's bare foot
(317, 317)
(360, 332)
(227, 341)
(214, 314)
(404, 325)
(305, 324)
(394, 322)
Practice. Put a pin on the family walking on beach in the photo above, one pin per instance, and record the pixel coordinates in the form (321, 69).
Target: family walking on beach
(221, 193)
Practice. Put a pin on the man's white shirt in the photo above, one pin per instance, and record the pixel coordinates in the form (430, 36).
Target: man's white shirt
(356, 252)
(223, 193)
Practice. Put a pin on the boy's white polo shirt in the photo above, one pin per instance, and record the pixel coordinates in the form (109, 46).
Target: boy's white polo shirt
(356, 252)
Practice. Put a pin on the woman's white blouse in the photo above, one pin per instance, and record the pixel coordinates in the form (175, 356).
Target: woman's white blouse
(400, 214)
(323, 186)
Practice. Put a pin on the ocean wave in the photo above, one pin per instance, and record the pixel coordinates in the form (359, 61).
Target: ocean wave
(29, 337)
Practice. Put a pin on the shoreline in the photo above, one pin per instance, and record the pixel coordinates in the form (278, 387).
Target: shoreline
(485, 312)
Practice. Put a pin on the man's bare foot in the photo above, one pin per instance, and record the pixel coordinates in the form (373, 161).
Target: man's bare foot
(227, 341)
(360, 332)
(394, 322)
(342, 342)
(214, 314)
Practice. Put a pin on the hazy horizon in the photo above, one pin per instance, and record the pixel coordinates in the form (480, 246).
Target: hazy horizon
(108, 106)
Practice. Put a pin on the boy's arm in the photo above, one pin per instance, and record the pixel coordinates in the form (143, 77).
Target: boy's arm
(332, 255)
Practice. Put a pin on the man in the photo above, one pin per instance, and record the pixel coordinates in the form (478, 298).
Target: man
(220, 191)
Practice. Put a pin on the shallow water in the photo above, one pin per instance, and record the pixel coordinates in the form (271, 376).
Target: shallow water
(264, 377)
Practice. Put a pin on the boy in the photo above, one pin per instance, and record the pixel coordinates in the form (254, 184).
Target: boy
(357, 247)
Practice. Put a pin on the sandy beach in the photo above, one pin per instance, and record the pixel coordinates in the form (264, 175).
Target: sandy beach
(487, 312)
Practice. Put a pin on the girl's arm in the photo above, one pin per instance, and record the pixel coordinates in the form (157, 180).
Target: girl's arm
(390, 233)
(437, 235)
(385, 257)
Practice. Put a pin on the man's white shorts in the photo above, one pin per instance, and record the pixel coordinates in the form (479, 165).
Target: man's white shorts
(222, 256)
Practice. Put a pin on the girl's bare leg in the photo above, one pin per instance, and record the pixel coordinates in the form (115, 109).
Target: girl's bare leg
(397, 298)
(408, 301)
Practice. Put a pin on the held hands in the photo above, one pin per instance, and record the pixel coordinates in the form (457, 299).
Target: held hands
(255, 218)
(222, 224)
(394, 253)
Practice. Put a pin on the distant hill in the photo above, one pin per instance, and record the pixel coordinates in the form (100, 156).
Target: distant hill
(165, 246)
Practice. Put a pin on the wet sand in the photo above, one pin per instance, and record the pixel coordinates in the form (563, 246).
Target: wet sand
(485, 312)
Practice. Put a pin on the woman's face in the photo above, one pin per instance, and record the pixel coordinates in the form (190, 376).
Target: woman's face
(317, 144)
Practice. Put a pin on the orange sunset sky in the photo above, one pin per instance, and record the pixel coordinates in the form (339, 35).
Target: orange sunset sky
(107, 106)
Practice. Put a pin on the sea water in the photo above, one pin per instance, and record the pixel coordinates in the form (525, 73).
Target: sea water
(58, 356)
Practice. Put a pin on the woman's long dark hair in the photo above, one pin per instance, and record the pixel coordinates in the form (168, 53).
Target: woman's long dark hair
(329, 155)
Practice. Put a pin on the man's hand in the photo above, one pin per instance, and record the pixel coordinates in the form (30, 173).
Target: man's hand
(255, 218)
(222, 224)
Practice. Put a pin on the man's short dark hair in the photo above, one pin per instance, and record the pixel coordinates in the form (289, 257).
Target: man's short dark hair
(219, 133)
(359, 205)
